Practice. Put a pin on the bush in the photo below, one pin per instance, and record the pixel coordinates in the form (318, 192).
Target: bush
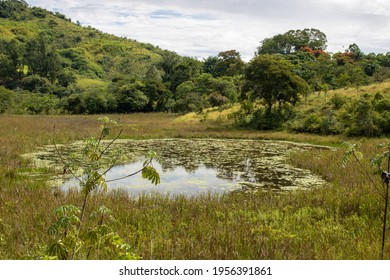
(338, 101)
(364, 119)
(382, 105)
(264, 119)
(74, 104)
(37, 104)
(131, 99)
(192, 102)
(216, 99)
(314, 123)
(37, 84)
(6, 99)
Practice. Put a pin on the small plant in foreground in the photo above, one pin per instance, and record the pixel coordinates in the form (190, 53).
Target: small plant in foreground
(378, 163)
(77, 236)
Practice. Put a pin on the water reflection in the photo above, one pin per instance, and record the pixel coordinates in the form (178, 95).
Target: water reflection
(191, 167)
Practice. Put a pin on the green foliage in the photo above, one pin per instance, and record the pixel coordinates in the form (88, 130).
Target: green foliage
(37, 84)
(7, 98)
(267, 120)
(45, 53)
(271, 79)
(229, 63)
(76, 235)
(293, 41)
(363, 122)
(10, 8)
(338, 101)
(131, 98)
(186, 70)
(326, 124)
(378, 162)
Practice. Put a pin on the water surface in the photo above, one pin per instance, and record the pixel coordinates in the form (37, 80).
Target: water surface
(194, 166)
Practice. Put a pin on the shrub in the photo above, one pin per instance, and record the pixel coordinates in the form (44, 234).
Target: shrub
(338, 101)
(6, 99)
(37, 84)
(363, 119)
(216, 99)
(265, 119)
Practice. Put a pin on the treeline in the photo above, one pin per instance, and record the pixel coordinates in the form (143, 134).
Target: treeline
(50, 65)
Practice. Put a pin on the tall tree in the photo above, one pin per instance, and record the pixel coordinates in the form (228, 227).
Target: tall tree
(229, 63)
(42, 59)
(188, 69)
(210, 65)
(271, 79)
(293, 41)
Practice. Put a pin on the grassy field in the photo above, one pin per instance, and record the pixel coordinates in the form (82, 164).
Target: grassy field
(340, 221)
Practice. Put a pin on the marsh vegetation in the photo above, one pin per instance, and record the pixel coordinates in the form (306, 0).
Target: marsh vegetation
(340, 220)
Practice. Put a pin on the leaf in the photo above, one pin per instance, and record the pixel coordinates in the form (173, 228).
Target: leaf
(66, 211)
(53, 229)
(150, 173)
(358, 155)
(58, 249)
(105, 131)
(152, 155)
(104, 120)
(103, 210)
(64, 222)
(351, 150)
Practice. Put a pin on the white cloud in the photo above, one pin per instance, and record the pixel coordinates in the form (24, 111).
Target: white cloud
(202, 27)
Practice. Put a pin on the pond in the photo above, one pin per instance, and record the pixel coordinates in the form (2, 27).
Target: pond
(195, 166)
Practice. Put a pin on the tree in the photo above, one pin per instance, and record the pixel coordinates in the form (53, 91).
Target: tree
(131, 98)
(188, 69)
(168, 63)
(355, 53)
(210, 65)
(6, 99)
(229, 63)
(271, 78)
(8, 8)
(11, 54)
(158, 95)
(41, 59)
(79, 233)
(292, 41)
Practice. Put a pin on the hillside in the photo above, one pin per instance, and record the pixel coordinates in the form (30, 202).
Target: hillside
(84, 49)
(50, 65)
(47, 54)
(363, 111)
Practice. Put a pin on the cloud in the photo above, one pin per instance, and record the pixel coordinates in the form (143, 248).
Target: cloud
(201, 28)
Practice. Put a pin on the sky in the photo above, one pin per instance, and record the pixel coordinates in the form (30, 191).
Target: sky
(203, 28)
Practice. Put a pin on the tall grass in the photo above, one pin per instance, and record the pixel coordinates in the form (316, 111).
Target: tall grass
(339, 221)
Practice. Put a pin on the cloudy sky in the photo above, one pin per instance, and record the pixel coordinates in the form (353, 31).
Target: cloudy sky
(200, 28)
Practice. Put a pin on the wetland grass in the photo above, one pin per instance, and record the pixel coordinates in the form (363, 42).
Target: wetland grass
(339, 221)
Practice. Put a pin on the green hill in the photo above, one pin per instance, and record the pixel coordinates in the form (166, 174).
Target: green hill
(50, 65)
(78, 69)
(85, 50)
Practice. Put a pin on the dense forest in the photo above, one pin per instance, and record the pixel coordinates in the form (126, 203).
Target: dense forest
(50, 65)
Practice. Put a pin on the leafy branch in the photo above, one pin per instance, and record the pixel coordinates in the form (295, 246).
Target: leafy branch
(377, 162)
(72, 236)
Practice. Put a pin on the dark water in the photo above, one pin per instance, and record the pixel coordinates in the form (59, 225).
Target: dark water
(192, 167)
